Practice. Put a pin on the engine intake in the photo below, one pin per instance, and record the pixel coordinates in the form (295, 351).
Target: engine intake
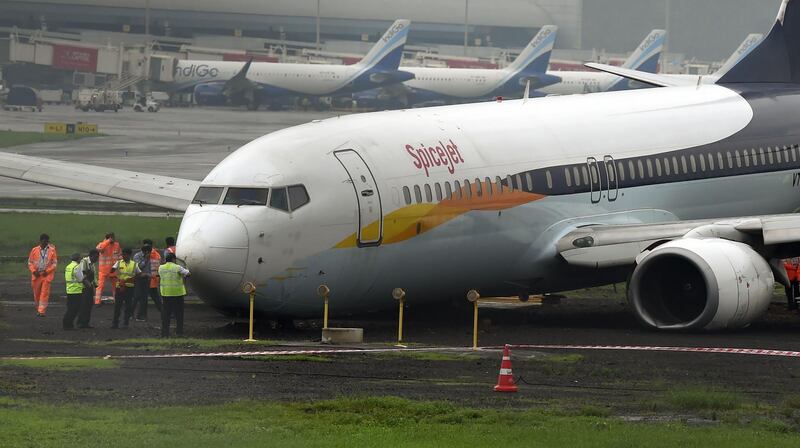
(701, 284)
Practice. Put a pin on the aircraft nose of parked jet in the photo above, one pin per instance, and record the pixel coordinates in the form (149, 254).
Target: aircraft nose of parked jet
(214, 246)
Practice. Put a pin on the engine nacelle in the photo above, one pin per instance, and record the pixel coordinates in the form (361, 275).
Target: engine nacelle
(706, 284)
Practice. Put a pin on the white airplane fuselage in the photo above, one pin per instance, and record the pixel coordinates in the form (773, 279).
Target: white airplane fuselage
(475, 196)
(309, 79)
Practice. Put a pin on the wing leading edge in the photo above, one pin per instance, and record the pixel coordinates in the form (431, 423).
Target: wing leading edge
(167, 192)
(609, 245)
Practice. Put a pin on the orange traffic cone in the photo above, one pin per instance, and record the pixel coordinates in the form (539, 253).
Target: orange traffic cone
(505, 381)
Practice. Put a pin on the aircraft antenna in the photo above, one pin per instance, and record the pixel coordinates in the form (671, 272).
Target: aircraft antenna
(527, 91)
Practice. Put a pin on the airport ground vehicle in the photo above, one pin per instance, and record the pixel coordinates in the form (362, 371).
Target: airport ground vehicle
(99, 100)
(146, 104)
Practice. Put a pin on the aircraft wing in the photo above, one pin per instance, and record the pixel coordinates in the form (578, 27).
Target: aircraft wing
(604, 245)
(168, 192)
(653, 79)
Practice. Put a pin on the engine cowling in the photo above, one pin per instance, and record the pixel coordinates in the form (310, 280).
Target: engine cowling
(708, 284)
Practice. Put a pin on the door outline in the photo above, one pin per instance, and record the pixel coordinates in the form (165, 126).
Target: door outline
(592, 162)
(359, 201)
(613, 194)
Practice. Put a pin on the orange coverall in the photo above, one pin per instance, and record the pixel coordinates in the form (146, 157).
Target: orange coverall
(109, 254)
(41, 283)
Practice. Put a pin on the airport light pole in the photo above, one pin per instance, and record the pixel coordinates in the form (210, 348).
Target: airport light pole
(466, 25)
(318, 7)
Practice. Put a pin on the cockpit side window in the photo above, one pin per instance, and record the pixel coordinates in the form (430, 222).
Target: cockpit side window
(207, 195)
(298, 196)
(246, 196)
(278, 199)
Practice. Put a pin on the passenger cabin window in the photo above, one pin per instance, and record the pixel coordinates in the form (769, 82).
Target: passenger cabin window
(448, 190)
(246, 196)
(457, 186)
(478, 187)
(428, 195)
(510, 183)
(770, 156)
(576, 174)
(499, 182)
(631, 169)
(438, 189)
(667, 168)
(279, 200)
(417, 194)
(529, 181)
(549, 179)
(207, 195)
(298, 196)
(693, 162)
(567, 177)
(683, 165)
(407, 195)
(468, 188)
(489, 191)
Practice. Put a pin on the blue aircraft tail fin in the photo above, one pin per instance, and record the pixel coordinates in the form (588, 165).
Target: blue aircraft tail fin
(386, 54)
(777, 58)
(536, 56)
(647, 54)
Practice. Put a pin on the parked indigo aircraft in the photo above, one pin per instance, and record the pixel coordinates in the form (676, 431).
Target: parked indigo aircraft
(431, 85)
(689, 190)
(254, 83)
(645, 58)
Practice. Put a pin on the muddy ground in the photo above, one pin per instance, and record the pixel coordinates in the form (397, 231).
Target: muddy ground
(621, 382)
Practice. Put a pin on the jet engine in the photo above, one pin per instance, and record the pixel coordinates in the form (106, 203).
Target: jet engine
(708, 284)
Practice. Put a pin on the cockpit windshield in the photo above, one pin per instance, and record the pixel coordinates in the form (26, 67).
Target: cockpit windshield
(207, 195)
(246, 196)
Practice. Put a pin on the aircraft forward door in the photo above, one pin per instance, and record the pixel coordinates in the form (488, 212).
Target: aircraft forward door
(368, 198)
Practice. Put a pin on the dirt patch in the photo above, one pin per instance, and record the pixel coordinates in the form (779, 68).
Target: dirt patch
(622, 383)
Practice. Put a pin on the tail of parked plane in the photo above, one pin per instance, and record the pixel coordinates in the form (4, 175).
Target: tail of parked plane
(646, 56)
(744, 49)
(777, 58)
(644, 59)
(388, 51)
(536, 56)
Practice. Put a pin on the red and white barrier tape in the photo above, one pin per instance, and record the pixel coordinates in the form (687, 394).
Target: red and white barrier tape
(343, 351)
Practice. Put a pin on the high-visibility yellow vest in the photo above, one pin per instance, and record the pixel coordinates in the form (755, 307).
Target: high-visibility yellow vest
(125, 273)
(171, 280)
(73, 285)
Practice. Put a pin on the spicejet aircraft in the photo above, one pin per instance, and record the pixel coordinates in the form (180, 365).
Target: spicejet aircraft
(644, 58)
(256, 82)
(463, 84)
(687, 189)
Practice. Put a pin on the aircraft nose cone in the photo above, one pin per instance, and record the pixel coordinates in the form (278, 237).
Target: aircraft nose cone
(214, 246)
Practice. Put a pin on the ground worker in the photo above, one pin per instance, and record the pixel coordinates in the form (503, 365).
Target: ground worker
(170, 247)
(792, 266)
(74, 278)
(127, 270)
(89, 269)
(42, 263)
(109, 254)
(173, 291)
(148, 261)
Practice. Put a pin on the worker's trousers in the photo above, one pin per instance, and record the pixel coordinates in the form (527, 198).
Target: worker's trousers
(85, 308)
(41, 293)
(123, 302)
(143, 290)
(172, 306)
(73, 307)
(102, 277)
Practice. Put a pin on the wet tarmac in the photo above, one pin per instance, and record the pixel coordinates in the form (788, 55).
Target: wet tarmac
(184, 142)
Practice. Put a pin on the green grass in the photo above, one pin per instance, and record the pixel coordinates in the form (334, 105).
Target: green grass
(370, 422)
(14, 138)
(699, 399)
(290, 358)
(426, 356)
(180, 343)
(562, 359)
(61, 363)
(76, 233)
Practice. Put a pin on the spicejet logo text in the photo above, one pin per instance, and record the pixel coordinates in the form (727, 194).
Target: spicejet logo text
(427, 157)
